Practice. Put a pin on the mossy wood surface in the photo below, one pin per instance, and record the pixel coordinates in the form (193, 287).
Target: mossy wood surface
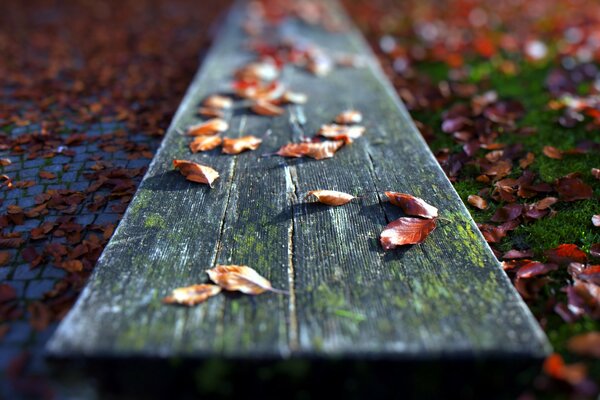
(447, 297)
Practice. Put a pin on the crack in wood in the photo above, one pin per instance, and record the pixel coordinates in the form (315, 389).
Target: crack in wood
(291, 190)
(375, 178)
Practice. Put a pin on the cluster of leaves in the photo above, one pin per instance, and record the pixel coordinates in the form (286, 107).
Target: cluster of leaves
(506, 94)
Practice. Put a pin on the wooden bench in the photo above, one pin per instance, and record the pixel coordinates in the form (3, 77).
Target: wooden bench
(446, 298)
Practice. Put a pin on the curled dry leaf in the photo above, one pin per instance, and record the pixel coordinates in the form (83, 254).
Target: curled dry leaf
(341, 132)
(205, 143)
(237, 145)
(349, 117)
(218, 102)
(477, 202)
(263, 107)
(210, 127)
(239, 278)
(196, 172)
(572, 188)
(545, 203)
(318, 151)
(331, 197)
(412, 205)
(596, 220)
(192, 295)
(405, 231)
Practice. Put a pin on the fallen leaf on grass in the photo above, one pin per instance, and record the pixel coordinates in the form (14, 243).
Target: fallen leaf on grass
(318, 151)
(552, 152)
(263, 107)
(596, 220)
(349, 117)
(341, 132)
(237, 145)
(239, 278)
(196, 172)
(572, 188)
(534, 268)
(47, 175)
(211, 112)
(192, 295)
(412, 205)
(566, 253)
(210, 127)
(477, 202)
(205, 143)
(405, 231)
(218, 101)
(586, 344)
(331, 197)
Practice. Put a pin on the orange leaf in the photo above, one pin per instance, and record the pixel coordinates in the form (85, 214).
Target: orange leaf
(318, 151)
(196, 172)
(263, 107)
(586, 344)
(72, 266)
(237, 145)
(341, 132)
(239, 278)
(331, 197)
(555, 367)
(47, 175)
(218, 101)
(405, 231)
(412, 205)
(205, 143)
(552, 152)
(192, 295)
(477, 201)
(210, 127)
(349, 117)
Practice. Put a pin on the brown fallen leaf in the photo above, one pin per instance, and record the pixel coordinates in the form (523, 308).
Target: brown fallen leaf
(47, 175)
(217, 101)
(331, 197)
(237, 145)
(552, 152)
(412, 205)
(72, 266)
(405, 231)
(211, 112)
(5, 161)
(210, 127)
(318, 151)
(239, 278)
(596, 220)
(585, 344)
(192, 295)
(205, 143)
(5, 257)
(572, 188)
(196, 172)
(527, 160)
(263, 107)
(477, 202)
(349, 117)
(545, 203)
(341, 132)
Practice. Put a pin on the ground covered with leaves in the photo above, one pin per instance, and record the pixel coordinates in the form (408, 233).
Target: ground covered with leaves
(507, 96)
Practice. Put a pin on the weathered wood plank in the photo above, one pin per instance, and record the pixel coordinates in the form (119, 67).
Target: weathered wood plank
(446, 297)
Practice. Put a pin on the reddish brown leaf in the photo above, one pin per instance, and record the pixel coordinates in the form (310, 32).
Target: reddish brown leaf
(545, 203)
(72, 266)
(263, 107)
(239, 278)
(5, 161)
(192, 295)
(5, 257)
(210, 127)
(507, 213)
(238, 145)
(341, 132)
(566, 253)
(196, 172)
(552, 152)
(405, 231)
(349, 117)
(572, 188)
(586, 344)
(412, 205)
(11, 242)
(515, 254)
(331, 197)
(205, 143)
(7, 293)
(39, 315)
(555, 367)
(211, 112)
(47, 175)
(535, 268)
(477, 201)
(318, 151)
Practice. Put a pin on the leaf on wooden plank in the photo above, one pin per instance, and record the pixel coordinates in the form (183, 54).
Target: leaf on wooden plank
(237, 145)
(289, 97)
(341, 132)
(412, 205)
(239, 278)
(263, 107)
(318, 150)
(477, 201)
(331, 197)
(405, 231)
(5, 161)
(210, 127)
(211, 112)
(217, 101)
(585, 344)
(349, 117)
(192, 295)
(534, 268)
(196, 172)
(205, 143)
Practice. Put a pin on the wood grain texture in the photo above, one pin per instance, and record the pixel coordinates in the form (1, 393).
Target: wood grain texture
(447, 297)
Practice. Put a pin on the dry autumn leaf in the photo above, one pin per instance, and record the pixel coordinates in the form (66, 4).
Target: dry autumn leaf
(477, 201)
(331, 197)
(341, 132)
(586, 344)
(318, 151)
(552, 152)
(239, 278)
(196, 172)
(405, 231)
(210, 127)
(192, 295)
(349, 117)
(47, 175)
(263, 107)
(237, 145)
(205, 143)
(412, 205)
(218, 102)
